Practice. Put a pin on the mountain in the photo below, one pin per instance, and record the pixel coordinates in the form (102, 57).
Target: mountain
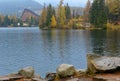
(11, 7)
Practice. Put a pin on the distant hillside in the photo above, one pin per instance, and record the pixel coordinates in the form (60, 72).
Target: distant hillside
(78, 10)
(10, 7)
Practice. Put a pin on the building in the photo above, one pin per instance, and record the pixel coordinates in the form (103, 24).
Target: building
(28, 14)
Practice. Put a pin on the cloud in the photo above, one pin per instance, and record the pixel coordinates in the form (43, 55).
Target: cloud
(79, 3)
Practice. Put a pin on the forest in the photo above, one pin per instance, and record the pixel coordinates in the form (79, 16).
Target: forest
(14, 21)
(97, 14)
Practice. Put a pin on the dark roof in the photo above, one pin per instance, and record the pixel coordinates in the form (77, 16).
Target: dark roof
(28, 10)
(29, 13)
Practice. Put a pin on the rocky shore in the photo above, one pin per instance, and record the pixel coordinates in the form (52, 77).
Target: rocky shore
(100, 68)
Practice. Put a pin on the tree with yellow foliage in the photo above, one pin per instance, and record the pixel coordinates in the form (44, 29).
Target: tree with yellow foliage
(114, 10)
(61, 17)
(42, 21)
(53, 22)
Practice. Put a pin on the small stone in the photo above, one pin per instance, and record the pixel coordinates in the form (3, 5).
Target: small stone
(50, 76)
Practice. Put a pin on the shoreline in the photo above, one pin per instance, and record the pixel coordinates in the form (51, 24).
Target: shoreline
(99, 68)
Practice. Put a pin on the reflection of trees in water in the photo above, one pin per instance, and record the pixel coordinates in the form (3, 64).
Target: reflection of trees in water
(105, 42)
(65, 42)
(56, 42)
(113, 42)
(98, 40)
(49, 37)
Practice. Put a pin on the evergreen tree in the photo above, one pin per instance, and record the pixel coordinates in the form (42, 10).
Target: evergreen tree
(73, 13)
(6, 21)
(49, 15)
(50, 12)
(53, 12)
(67, 12)
(98, 13)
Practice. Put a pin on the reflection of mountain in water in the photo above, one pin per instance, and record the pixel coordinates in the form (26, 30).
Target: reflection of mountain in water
(17, 6)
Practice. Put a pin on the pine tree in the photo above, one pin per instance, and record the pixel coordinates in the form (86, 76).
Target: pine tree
(6, 21)
(53, 22)
(98, 14)
(49, 15)
(67, 12)
(45, 18)
(73, 14)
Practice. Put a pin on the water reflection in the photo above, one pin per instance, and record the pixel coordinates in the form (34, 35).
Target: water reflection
(113, 42)
(46, 49)
(56, 42)
(65, 45)
(98, 41)
(105, 42)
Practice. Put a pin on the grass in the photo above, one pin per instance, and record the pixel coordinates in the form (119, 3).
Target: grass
(112, 26)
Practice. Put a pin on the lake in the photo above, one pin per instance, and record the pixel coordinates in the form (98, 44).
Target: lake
(45, 50)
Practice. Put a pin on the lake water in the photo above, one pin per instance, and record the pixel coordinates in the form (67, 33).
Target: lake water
(46, 49)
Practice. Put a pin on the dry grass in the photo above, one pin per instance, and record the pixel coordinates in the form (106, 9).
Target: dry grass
(112, 26)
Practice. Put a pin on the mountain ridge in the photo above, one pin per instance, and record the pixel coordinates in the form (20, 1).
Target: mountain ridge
(11, 7)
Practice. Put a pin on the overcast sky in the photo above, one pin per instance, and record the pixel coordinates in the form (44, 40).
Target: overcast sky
(79, 3)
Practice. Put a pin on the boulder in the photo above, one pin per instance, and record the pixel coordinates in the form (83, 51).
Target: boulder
(65, 70)
(97, 63)
(27, 72)
(50, 76)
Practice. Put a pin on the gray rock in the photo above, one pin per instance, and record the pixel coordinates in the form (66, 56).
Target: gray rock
(50, 76)
(97, 63)
(65, 70)
(27, 72)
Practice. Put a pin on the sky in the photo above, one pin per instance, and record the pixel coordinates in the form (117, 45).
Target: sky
(77, 3)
